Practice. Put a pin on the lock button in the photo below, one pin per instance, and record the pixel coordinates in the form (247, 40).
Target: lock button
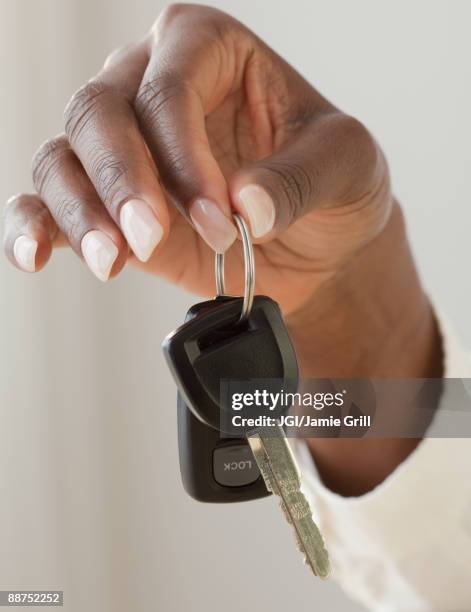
(234, 465)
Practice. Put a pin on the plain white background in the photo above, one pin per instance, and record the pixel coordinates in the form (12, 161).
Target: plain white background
(89, 482)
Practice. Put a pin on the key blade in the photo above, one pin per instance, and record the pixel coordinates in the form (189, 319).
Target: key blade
(280, 472)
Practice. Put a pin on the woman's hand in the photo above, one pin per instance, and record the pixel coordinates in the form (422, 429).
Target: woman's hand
(199, 119)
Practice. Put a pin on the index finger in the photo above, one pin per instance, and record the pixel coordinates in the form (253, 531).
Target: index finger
(103, 132)
(192, 69)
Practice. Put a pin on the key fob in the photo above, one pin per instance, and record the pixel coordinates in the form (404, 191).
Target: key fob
(211, 346)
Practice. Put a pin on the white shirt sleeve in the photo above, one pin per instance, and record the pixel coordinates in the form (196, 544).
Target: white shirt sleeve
(406, 545)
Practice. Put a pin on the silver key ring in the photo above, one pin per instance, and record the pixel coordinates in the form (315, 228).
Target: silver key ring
(249, 270)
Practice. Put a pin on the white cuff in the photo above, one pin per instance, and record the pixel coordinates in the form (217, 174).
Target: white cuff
(406, 545)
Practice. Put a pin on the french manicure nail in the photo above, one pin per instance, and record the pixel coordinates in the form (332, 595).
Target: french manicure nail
(260, 209)
(24, 251)
(100, 253)
(213, 225)
(141, 228)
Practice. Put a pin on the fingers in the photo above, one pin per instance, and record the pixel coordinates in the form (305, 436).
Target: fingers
(29, 231)
(103, 132)
(76, 209)
(174, 127)
(172, 120)
(325, 165)
(186, 76)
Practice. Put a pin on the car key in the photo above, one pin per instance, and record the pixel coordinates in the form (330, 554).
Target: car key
(240, 339)
(215, 466)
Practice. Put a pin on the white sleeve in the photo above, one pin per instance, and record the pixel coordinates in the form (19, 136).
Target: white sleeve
(406, 545)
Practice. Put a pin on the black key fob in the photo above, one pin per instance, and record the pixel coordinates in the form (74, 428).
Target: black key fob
(213, 345)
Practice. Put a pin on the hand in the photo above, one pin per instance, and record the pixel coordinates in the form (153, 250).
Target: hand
(199, 119)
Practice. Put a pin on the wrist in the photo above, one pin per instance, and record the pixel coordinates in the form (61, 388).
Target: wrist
(372, 319)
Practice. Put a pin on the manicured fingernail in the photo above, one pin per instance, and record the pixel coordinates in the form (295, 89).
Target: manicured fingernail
(141, 228)
(24, 251)
(100, 253)
(260, 209)
(213, 225)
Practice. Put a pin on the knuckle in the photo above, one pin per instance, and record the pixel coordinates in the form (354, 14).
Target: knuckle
(188, 14)
(67, 213)
(82, 106)
(359, 139)
(22, 205)
(116, 54)
(178, 169)
(355, 130)
(173, 10)
(109, 171)
(21, 202)
(11, 208)
(13, 202)
(47, 159)
(295, 183)
(359, 161)
(363, 161)
(156, 94)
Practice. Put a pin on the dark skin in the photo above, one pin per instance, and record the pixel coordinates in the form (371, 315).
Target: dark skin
(201, 119)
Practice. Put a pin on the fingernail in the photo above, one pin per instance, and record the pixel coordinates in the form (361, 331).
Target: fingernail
(260, 209)
(100, 253)
(213, 225)
(141, 228)
(24, 251)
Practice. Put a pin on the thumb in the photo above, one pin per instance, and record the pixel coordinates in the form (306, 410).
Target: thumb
(324, 165)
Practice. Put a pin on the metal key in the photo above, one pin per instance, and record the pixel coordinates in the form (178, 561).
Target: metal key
(280, 472)
(273, 453)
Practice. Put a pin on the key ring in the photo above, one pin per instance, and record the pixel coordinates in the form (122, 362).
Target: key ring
(249, 270)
